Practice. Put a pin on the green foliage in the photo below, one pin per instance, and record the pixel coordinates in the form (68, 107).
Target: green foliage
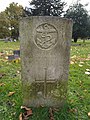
(4, 24)
(88, 27)
(79, 15)
(14, 13)
(45, 7)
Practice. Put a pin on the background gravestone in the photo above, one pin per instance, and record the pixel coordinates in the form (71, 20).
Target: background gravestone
(45, 50)
(16, 53)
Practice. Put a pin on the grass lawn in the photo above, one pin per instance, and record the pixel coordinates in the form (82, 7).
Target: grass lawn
(78, 97)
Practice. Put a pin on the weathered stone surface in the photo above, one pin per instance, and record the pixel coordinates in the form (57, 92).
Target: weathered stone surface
(45, 50)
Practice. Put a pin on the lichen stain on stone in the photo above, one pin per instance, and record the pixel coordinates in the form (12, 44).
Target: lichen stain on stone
(56, 91)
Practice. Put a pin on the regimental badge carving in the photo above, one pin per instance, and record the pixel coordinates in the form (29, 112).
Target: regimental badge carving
(46, 36)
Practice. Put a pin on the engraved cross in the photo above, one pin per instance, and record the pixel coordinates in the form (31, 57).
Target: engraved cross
(45, 81)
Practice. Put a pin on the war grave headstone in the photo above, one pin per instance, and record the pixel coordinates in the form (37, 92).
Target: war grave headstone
(45, 52)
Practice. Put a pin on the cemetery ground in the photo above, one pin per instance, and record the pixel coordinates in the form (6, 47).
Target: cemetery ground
(77, 106)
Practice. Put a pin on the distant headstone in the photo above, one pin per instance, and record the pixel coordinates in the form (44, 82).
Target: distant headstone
(45, 52)
(16, 52)
(16, 55)
(11, 39)
(6, 40)
(11, 57)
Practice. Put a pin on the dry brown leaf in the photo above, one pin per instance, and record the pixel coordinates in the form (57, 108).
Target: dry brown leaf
(11, 93)
(51, 114)
(55, 109)
(1, 53)
(1, 84)
(88, 114)
(20, 116)
(29, 112)
(1, 75)
(71, 101)
(73, 110)
(26, 108)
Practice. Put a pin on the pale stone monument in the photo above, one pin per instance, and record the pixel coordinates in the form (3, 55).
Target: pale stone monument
(45, 52)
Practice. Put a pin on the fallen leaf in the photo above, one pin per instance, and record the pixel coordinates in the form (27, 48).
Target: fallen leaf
(55, 109)
(26, 108)
(88, 70)
(6, 57)
(1, 53)
(1, 84)
(81, 97)
(71, 101)
(73, 56)
(73, 110)
(11, 93)
(21, 116)
(1, 75)
(28, 113)
(89, 114)
(81, 62)
(18, 72)
(85, 90)
(87, 73)
(51, 114)
(16, 60)
(71, 62)
(80, 65)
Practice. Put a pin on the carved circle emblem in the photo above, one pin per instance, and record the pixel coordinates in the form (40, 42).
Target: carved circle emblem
(46, 36)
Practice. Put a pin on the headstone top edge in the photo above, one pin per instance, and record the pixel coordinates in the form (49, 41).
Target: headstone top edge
(47, 17)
